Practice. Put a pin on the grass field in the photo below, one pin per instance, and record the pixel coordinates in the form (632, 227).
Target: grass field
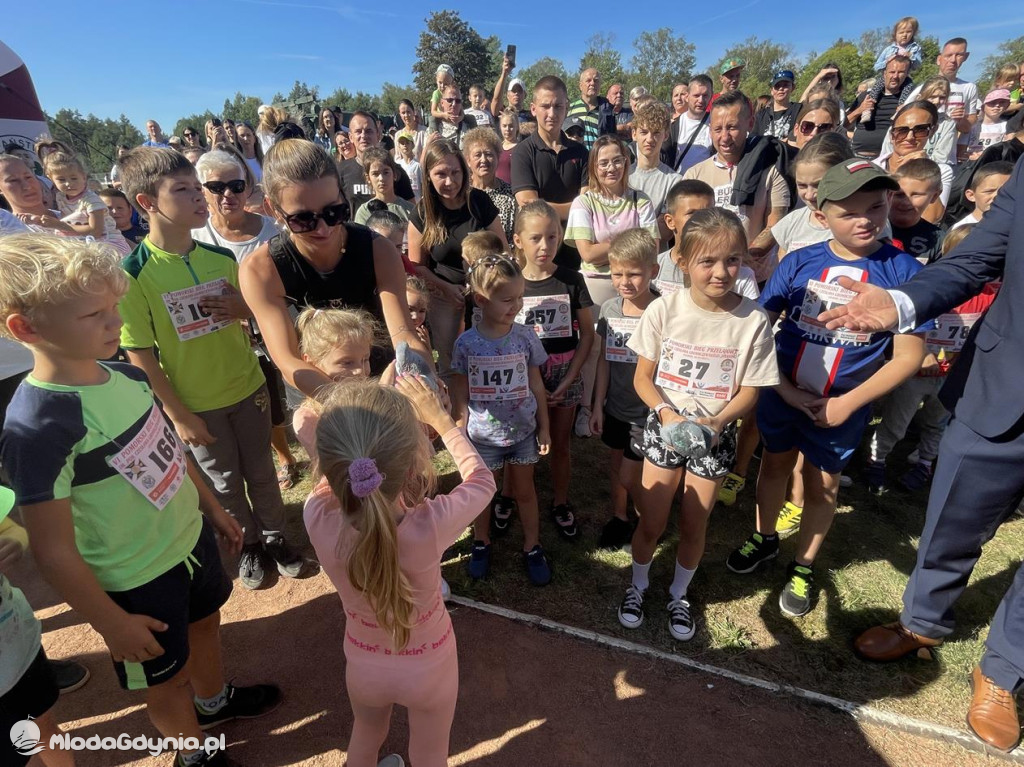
(861, 573)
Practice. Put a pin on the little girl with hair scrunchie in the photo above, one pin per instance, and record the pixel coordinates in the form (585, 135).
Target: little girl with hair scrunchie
(380, 539)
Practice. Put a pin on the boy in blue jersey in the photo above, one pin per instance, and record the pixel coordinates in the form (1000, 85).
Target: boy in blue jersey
(829, 377)
(111, 503)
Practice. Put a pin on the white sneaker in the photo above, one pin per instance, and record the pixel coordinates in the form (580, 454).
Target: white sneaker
(394, 760)
(446, 590)
(680, 622)
(583, 423)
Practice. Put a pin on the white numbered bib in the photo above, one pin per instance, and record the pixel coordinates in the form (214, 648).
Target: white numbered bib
(821, 297)
(951, 331)
(153, 462)
(549, 316)
(190, 320)
(498, 378)
(704, 372)
(619, 331)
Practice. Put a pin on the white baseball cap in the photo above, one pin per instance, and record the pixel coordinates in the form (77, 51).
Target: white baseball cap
(516, 81)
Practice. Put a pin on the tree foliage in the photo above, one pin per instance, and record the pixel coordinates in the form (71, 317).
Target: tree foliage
(95, 140)
(242, 108)
(660, 61)
(764, 58)
(541, 68)
(1009, 52)
(450, 40)
(602, 55)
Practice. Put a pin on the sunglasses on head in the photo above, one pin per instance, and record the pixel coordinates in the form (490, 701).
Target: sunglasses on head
(919, 131)
(307, 221)
(218, 187)
(808, 128)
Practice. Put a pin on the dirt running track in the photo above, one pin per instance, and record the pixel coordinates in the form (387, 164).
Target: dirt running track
(527, 697)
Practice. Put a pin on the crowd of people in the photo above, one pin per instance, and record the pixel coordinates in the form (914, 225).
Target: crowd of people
(688, 282)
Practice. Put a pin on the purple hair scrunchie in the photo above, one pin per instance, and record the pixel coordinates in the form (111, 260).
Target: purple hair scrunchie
(363, 477)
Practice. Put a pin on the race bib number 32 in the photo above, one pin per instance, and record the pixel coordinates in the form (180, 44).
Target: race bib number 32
(549, 316)
(190, 320)
(619, 331)
(153, 462)
(498, 378)
(704, 372)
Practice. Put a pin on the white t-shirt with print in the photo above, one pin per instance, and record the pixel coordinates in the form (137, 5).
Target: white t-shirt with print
(670, 278)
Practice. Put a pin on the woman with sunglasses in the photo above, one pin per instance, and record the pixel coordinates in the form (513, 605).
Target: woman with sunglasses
(941, 147)
(192, 138)
(815, 117)
(319, 260)
(912, 127)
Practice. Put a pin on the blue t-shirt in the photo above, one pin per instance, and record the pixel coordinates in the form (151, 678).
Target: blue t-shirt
(502, 408)
(830, 362)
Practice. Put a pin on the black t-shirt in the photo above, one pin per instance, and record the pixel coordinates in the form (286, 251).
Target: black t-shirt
(780, 124)
(358, 191)
(549, 317)
(868, 137)
(446, 259)
(923, 241)
(136, 233)
(554, 177)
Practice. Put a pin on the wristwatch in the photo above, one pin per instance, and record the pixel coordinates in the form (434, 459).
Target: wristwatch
(661, 406)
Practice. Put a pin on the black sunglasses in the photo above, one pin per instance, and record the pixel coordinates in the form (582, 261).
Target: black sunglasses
(217, 187)
(190, 134)
(807, 127)
(919, 131)
(307, 221)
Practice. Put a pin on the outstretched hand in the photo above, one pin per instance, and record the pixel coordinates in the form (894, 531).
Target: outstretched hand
(871, 310)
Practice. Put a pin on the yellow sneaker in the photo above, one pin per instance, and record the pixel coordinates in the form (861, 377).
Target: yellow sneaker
(732, 485)
(789, 519)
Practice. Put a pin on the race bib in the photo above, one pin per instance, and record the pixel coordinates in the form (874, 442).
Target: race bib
(704, 372)
(549, 316)
(498, 379)
(619, 331)
(153, 462)
(190, 320)
(951, 331)
(821, 297)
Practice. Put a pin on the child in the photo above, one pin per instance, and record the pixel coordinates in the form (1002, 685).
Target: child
(684, 199)
(830, 377)
(618, 411)
(183, 302)
(499, 397)
(380, 169)
(985, 185)
(417, 296)
(444, 78)
(991, 128)
(399, 642)
(556, 305)
(110, 501)
(920, 183)
(81, 208)
(410, 164)
(649, 174)
(121, 211)
(898, 408)
(702, 352)
(903, 44)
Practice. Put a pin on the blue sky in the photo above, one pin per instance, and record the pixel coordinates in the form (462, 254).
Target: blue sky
(165, 60)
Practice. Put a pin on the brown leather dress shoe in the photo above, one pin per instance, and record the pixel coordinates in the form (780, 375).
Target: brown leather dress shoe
(993, 713)
(892, 642)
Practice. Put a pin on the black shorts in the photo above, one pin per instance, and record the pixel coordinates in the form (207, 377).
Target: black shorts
(714, 465)
(274, 385)
(32, 696)
(618, 435)
(187, 593)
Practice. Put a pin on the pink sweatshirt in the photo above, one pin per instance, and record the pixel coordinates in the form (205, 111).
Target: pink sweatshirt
(423, 535)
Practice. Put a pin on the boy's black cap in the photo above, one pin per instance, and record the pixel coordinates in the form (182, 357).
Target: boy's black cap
(849, 177)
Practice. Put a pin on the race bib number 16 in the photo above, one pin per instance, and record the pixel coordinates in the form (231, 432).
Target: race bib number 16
(190, 320)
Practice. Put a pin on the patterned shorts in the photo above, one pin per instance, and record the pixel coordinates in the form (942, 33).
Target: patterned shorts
(714, 465)
(554, 371)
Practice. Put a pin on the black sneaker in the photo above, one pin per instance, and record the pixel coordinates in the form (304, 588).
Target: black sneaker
(565, 521)
(615, 534)
(216, 759)
(243, 703)
(537, 566)
(680, 622)
(917, 478)
(289, 563)
(251, 566)
(631, 611)
(797, 597)
(502, 509)
(874, 474)
(479, 560)
(68, 674)
(754, 552)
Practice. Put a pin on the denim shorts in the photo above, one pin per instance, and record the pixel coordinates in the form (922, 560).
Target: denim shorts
(521, 453)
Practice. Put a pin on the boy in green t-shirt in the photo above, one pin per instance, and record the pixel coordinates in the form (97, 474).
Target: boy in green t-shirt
(110, 501)
(183, 303)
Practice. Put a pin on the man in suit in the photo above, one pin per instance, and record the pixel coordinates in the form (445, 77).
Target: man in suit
(979, 477)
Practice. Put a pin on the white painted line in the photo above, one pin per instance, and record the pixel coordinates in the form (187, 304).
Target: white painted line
(858, 711)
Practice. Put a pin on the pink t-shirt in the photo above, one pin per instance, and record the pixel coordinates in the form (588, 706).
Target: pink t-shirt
(423, 535)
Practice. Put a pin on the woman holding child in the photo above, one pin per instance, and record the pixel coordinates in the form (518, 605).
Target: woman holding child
(23, 191)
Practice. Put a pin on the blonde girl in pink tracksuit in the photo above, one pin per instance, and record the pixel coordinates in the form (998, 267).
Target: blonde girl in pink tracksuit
(380, 540)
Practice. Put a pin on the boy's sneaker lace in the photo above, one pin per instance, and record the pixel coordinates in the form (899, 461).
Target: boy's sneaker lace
(732, 486)
(680, 622)
(797, 597)
(789, 519)
(565, 521)
(242, 703)
(615, 534)
(251, 567)
(479, 560)
(754, 552)
(918, 477)
(537, 566)
(631, 611)
(502, 509)
(875, 476)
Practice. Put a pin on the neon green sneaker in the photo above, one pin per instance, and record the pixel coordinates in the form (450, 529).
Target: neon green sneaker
(732, 485)
(797, 597)
(789, 519)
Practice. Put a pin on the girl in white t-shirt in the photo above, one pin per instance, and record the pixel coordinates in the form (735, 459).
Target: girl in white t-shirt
(702, 354)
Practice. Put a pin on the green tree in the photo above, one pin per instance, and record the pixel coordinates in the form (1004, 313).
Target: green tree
(197, 121)
(1008, 52)
(242, 108)
(391, 96)
(340, 97)
(661, 60)
(602, 55)
(764, 58)
(301, 90)
(853, 65)
(450, 40)
(542, 68)
(93, 139)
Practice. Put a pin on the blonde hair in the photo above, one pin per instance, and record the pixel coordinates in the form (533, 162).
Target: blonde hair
(476, 245)
(489, 273)
(633, 246)
(934, 86)
(533, 209)
(415, 284)
(322, 330)
(484, 135)
(914, 26)
(954, 237)
(55, 161)
(364, 420)
(39, 270)
(704, 227)
(270, 118)
(1006, 76)
(296, 161)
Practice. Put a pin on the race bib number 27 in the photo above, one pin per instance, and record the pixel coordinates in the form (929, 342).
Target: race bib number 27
(703, 372)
